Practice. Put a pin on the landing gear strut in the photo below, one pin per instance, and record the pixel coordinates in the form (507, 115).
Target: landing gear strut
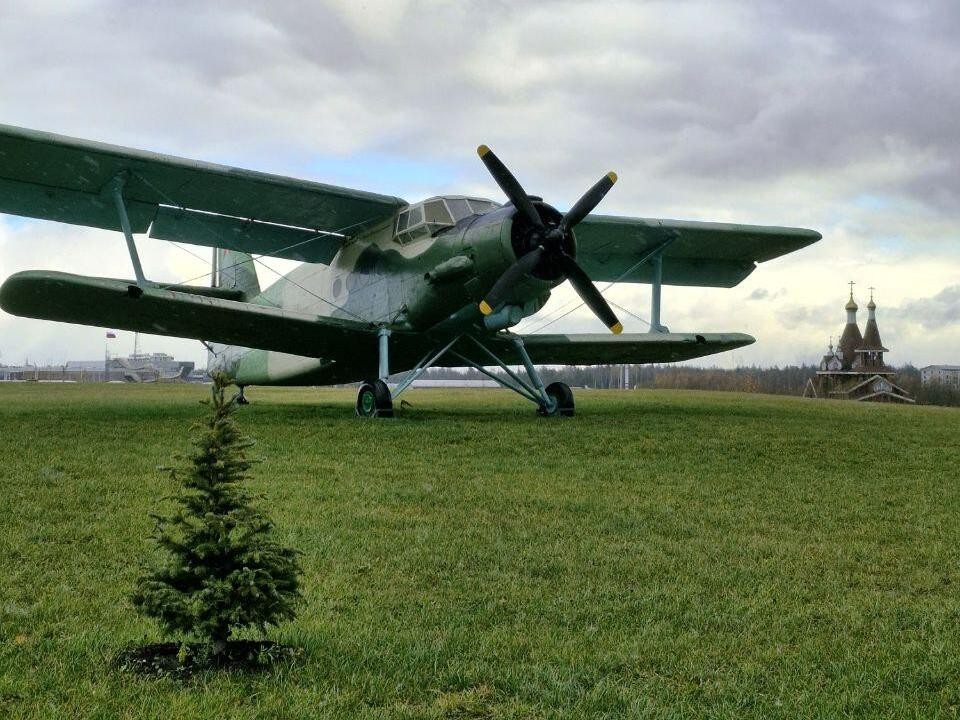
(555, 400)
(241, 398)
(373, 398)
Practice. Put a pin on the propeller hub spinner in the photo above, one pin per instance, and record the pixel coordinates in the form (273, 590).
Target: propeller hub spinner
(526, 237)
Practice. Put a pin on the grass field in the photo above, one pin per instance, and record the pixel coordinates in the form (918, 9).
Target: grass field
(663, 554)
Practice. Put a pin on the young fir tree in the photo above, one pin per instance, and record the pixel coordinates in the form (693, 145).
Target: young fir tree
(222, 572)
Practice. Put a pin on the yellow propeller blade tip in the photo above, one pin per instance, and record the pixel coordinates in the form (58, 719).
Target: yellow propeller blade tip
(616, 329)
(482, 150)
(485, 308)
(612, 175)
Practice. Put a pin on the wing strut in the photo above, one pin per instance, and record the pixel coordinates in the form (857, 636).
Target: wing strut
(115, 189)
(656, 287)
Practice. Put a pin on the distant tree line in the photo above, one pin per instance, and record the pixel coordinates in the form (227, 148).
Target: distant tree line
(908, 377)
(788, 380)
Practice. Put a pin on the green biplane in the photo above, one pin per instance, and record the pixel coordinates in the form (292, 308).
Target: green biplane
(384, 285)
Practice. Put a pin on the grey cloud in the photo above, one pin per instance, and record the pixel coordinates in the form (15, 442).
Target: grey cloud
(933, 313)
(678, 97)
(764, 294)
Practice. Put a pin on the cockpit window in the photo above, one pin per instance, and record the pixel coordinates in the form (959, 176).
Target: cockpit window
(437, 214)
(480, 207)
(433, 215)
(459, 207)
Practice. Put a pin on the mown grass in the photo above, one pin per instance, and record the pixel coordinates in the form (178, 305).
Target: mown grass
(663, 554)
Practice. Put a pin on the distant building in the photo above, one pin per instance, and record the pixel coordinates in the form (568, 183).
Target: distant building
(940, 374)
(856, 370)
(137, 368)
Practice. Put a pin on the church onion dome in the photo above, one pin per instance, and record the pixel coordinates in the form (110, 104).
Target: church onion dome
(871, 334)
(850, 340)
(852, 305)
(871, 339)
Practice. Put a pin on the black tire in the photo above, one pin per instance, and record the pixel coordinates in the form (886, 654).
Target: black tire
(373, 400)
(562, 396)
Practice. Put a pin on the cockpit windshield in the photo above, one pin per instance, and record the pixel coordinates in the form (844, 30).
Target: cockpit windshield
(430, 216)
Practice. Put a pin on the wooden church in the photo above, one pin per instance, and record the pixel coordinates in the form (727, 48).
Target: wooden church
(855, 370)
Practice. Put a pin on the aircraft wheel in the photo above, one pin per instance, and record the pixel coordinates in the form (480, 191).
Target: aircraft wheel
(373, 400)
(562, 396)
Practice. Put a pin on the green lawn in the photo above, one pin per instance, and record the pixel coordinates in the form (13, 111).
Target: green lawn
(663, 554)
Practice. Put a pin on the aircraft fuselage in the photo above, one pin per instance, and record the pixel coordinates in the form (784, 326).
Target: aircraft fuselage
(431, 283)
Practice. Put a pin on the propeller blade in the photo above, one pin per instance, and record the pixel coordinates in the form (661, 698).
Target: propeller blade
(511, 276)
(508, 183)
(590, 295)
(591, 198)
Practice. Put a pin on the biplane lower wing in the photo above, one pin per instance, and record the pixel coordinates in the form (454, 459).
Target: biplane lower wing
(636, 348)
(210, 314)
(107, 302)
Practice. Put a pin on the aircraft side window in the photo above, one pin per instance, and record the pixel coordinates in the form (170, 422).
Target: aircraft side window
(459, 207)
(416, 216)
(402, 221)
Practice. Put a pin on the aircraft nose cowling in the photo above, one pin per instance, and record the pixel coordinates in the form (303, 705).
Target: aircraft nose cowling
(498, 240)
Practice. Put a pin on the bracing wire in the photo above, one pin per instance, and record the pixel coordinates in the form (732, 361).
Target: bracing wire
(173, 203)
(609, 285)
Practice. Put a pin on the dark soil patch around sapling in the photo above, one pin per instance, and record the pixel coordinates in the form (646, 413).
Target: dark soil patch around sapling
(177, 660)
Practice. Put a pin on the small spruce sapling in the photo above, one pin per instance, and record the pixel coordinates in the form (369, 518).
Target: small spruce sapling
(221, 571)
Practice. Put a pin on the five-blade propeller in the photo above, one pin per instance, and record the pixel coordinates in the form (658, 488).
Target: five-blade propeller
(548, 242)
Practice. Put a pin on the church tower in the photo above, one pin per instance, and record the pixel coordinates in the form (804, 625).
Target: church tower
(851, 338)
(870, 351)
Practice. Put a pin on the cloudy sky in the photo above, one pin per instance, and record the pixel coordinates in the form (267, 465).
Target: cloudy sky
(837, 116)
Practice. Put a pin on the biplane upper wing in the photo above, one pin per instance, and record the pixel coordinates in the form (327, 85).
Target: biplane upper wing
(613, 249)
(53, 177)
